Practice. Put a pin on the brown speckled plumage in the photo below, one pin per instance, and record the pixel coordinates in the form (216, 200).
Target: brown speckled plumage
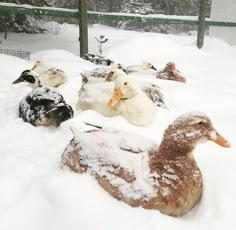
(170, 170)
(170, 73)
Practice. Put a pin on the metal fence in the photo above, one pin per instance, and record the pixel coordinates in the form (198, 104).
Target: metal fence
(17, 53)
(82, 14)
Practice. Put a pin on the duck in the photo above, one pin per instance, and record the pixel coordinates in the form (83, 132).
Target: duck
(88, 91)
(145, 67)
(151, 90)
(136, 170)
(49, 75)
(99, 74)
(95, 97)
(131, 102)
(43, 106)
(170, 73)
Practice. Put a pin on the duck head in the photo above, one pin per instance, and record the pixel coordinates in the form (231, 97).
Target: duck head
(124, 88)
(170, 67)
(188, 130)
(29, 76)
(148, 65)
(38, 63)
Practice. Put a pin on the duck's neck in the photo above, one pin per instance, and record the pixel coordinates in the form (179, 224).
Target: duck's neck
(172, 150)
(132, 93)
(37, 83)
(170, 153)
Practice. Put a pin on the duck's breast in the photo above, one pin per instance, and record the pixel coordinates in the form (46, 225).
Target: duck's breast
(139, 110)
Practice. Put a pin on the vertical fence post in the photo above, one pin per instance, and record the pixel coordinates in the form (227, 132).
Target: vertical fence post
(201, 23)
(83, 27)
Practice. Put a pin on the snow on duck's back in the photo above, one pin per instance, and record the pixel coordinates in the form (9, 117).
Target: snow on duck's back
(135, 170)
(43, 105)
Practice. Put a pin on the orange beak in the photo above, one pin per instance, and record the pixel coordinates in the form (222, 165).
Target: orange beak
(117, 95)
(220, 140)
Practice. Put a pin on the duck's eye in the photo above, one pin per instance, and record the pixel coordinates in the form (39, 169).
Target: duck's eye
(29, 79)
(125, 83)
(200, 123)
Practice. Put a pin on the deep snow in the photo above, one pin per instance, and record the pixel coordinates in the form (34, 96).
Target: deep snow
(36, 194)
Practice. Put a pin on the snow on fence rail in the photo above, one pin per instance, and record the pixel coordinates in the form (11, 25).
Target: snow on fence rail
(200, 21)
(72, 13)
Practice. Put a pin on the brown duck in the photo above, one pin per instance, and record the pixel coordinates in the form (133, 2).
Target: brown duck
(170, 73)
(135, 170)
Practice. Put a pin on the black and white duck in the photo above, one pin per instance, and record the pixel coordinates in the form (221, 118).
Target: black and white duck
(43, 105)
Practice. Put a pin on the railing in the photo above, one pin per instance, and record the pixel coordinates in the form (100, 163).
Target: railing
(71, 13)
(6, 8)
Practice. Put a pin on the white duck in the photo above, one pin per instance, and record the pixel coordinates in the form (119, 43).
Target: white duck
(145, 67)
(136, 170)
(131, 102)
(151, 90)
(49, 75)
(88, 88)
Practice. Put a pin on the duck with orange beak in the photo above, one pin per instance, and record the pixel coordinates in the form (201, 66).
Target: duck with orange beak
(131, 102)
(135, 170)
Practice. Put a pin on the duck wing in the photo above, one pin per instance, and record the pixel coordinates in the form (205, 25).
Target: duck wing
(95, 73)
(155, 94)
(118, 156)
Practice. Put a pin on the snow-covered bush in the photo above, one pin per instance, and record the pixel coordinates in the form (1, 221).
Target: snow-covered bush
(135, 7)
(97, 59)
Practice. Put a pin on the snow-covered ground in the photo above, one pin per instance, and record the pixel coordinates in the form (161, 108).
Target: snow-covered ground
(36, 194)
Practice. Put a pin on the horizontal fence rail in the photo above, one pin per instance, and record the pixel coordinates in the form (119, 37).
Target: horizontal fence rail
(6, 8)
(11, 8)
